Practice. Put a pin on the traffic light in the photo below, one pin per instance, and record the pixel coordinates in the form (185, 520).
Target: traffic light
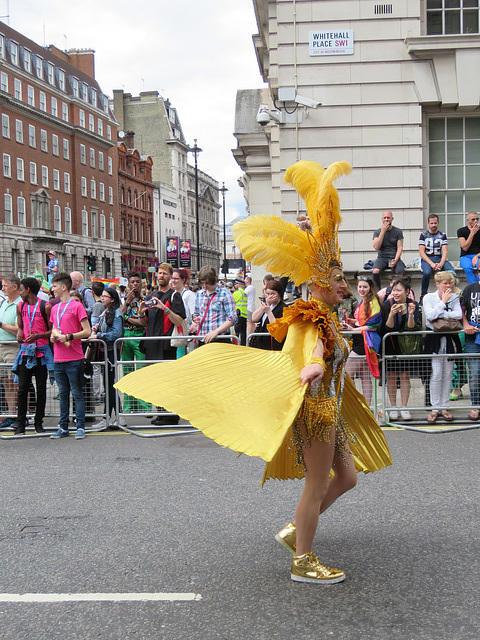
(92, 262)
(224, 268)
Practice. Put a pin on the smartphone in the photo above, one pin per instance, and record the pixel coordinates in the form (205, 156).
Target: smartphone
(149, 303)
(262, 298)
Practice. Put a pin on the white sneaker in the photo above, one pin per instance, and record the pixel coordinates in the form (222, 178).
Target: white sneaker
(99, 425)
(122, 422)
(393, 415)
(406, 415)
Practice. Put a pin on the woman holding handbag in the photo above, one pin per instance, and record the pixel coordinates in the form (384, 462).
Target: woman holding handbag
(442, 305)
(178, 281)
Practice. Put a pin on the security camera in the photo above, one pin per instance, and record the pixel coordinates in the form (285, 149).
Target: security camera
(264, 116)
(306, 102)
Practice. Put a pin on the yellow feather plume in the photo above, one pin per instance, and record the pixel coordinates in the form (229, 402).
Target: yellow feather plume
(276, 244)
(328, 199)
(305, 177)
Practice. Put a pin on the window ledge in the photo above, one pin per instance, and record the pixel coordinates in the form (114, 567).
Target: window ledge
(427, 46)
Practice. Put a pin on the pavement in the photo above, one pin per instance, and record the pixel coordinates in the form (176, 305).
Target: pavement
(184, 519)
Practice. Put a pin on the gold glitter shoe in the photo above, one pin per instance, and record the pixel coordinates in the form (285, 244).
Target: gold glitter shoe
(307, 568)
(287, 537)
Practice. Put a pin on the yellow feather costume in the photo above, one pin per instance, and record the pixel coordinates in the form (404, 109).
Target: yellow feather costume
(201, 385)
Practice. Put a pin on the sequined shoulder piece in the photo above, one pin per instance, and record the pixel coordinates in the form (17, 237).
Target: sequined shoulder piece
(313, 311)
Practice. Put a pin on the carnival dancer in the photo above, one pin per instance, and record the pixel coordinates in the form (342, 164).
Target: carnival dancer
(315, 419)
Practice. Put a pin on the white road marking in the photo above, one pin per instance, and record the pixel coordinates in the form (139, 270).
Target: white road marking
(97, 597)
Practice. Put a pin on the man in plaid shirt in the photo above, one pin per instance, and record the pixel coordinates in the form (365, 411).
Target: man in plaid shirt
(215, 309)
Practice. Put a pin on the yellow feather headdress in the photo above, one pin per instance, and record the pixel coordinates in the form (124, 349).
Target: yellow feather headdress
(285, 249)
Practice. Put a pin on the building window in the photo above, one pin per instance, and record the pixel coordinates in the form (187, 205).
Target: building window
(93, 189)
(91, 123)
(51, 73)
(68, 220)
(75, 87)
(454, 173)
(103, 230)
(39, 67)
(44, 176)
(112, 229)
(84, 223)
(56, 180)
(110, 166)
(142, 233)
(81, 118)
(135, 230)
(7, 167)
(101, 191)
(31, 95)
(2, 46)
(21, 212)
(101, 164)
(20, 170)
(57, 217)
(65, 111)
(83, 154)
(40, 211)
(110, 195)
(66, 182)
(43, 101)
(54, 107)
(66, 149)
(94, 225)
(33, 172)
(5, 125)
(7, 204)
(4, 82)
(17, 89)
(83, 186)
(94, 97)
(27, 60)
(61, 79)
(55, 150)
(109, 132)
(100, 127)
(452, 16)
(14, 53)
(92, 158)
(43, 140)
(32, 140)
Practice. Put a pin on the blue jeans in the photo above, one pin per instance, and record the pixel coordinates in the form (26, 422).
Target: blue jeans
(473, 371)
(427, 271)
(67, 377)
(466, 265)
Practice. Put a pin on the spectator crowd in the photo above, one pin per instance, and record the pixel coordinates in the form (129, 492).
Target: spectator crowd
(69, 335)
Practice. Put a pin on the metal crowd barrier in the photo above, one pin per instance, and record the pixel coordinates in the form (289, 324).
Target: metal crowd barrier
(93, 399)
(418, 371)
(161, 430)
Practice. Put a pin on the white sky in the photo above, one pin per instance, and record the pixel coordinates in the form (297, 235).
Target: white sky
(197, 53)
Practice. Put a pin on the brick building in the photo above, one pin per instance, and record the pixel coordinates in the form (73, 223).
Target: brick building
(135, 188)
(58, 182)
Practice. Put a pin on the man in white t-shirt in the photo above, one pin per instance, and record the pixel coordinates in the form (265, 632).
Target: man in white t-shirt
(250, 291)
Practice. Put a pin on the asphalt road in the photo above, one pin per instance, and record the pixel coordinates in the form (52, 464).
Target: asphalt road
(119, 514)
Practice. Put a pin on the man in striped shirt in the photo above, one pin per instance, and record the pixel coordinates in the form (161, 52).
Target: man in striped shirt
(215, 309)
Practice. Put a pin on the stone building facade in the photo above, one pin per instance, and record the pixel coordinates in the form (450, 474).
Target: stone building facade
(58, 183)
(400, 101)
(135, 188)
(158, 133)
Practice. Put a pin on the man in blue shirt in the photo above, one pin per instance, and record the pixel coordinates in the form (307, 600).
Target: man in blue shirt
(433, 249)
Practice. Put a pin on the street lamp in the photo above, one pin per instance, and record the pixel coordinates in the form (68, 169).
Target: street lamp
(129, 225)
(196, 150)
(223, 191)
